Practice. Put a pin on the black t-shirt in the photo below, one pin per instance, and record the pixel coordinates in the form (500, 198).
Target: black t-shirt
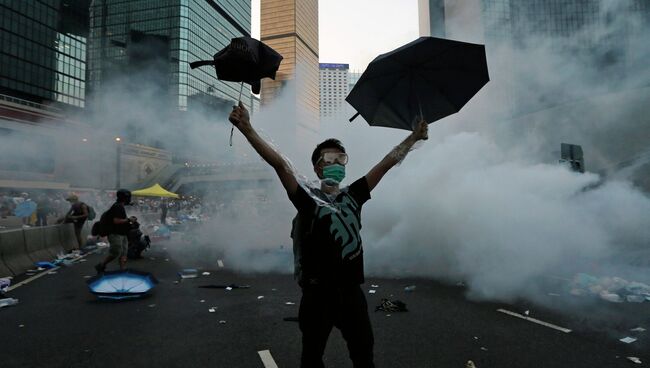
(327, 243)
(117, 211)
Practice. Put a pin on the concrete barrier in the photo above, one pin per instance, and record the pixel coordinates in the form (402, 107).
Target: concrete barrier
(4, 269)
(35, 245)
(66, 234)
(14, 253)
(53, 240)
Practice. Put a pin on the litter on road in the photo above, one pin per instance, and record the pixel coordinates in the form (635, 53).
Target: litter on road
(220, 263)
(227, 287)
(260, 297)
(372, 291)
(470, 364)
(638, 329)
(206, 274)
(212, 310)
(222, 322)
(7, 302)
(189, 273)
(634, 360)
(391, 306)
(374, 286)
(152, 305)
(628, 340)
(5, 282)
(290, 303)
(410, 288)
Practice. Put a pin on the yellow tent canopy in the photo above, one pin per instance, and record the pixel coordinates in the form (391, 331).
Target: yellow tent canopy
(154, 191)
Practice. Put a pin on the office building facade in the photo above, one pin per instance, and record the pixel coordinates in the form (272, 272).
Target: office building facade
(43, 51)
(334, 87)
(291, 28)
(159, 38)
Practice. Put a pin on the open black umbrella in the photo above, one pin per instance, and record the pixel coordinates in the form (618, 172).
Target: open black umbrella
(429, 78)
(244, 60)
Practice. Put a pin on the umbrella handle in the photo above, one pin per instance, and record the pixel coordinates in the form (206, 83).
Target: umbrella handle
(197, 64)
(354, 117)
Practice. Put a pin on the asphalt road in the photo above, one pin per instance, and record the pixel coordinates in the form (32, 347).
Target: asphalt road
(58, 323)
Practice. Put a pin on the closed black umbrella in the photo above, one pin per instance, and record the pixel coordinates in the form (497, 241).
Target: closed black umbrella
(429, 78)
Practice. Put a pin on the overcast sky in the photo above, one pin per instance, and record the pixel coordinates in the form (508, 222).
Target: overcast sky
(355, 31)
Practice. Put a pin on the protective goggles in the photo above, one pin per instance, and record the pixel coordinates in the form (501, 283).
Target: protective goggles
(334, 157)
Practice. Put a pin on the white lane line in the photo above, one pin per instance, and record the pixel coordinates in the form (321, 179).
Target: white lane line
(220, 262)
(45, 272)
(267, 359)
(530, 319)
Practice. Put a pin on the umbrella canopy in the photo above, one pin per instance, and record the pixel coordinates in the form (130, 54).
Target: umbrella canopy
(154, 191)
(25, 209)
(429, 78)
(245, 59)
(121, 284)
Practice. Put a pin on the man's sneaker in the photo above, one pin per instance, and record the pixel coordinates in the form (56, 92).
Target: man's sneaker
(99, 268)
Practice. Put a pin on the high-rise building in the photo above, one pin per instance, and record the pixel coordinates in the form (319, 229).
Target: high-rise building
(334, 87)
(43, 51)
(291, 28)
(158, 39)
(432, 18)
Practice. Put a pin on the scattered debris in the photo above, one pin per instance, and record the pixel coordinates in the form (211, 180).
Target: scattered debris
(628, 340)
(51, 272)
(227, 287)
(189, 273)
(290, 303)
(7, 302)
(166, 259)
(45, 265)
(388, 315)
(372, 291)
(202, 301)
(409, 288)
(612, 289)
(220, 263)
(152, 305)
(21, 326)
(638, 329)
(206, 274)
(391, 306)
(5, 282)
(484, 349)
(475, 337)
(87, 276)
(527, 313)
(260, 297)
(374, 286)
(634, 360)
(274, 289)
(222, 322)
(470, 364)
(152, 258)
(212, 310)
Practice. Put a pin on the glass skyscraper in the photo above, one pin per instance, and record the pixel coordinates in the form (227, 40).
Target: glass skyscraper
(164, 36)
(43, 50)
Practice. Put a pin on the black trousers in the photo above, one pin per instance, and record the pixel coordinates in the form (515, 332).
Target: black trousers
(322, 308)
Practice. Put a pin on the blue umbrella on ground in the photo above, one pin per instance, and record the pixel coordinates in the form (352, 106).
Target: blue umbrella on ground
(25, 209)
(121, 284)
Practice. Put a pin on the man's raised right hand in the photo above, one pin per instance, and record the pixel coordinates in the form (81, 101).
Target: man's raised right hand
(239, 117)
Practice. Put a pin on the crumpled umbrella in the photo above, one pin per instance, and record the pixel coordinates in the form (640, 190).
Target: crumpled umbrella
(245, 60)
(25, 209)
(429, 78)
(121, 284)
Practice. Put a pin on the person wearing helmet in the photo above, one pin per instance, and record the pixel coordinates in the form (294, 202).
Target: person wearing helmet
(118, 227)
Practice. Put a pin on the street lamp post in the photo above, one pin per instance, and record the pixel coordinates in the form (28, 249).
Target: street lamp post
(118, 163)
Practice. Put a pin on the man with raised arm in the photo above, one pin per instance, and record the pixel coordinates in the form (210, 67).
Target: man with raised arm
(327, 244)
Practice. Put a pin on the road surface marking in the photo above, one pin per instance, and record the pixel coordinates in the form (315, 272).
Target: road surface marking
(530, 319)
(267, 359)
(220, 262)
(45, 272)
